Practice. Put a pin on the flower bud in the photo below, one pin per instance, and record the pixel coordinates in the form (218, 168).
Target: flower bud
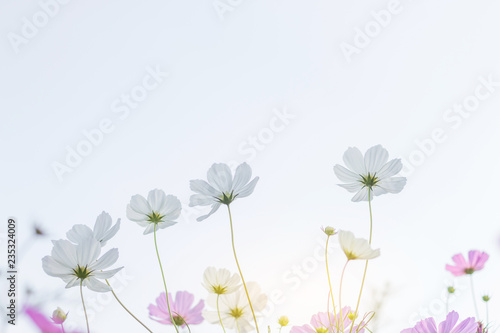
(58, 316)
(330, 231)
(451, 290)
(283, 321)
(351, 316)
(486, 298)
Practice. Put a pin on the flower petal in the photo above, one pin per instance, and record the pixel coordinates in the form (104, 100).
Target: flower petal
(157, 200)
(132, 215)
(79, 233)
(110, 233)
(375, 158)
(202, 187)
(106, 274)
(213, 210)
(102, 224)
(449, 323)
(352, 187)
(96, 285)
(107, 259)
(346, 175)
(172, 208)
(220, 177)
(390, 169)
(353, 159)
(241, 177)
(140, 205)
(247, 189)
(362, 195)
(54, 268)
(392, 185)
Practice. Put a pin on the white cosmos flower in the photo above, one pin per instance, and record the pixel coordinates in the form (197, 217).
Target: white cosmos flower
(80, 263)
(371, 172)
(220, 281)
(356, 248)
(221, 187)
(103, 231)
(159, 209)
(235, 311)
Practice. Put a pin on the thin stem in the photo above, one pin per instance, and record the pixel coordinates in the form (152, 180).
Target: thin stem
(366, 264)
(330, 285)
(474, 297)
(239, 269)
(447, 301)
(84, 309)
(218, 312)
(340, 295)
(185, 323)
(164, 283)
(130, 313)
(487, 315)
(62, 328)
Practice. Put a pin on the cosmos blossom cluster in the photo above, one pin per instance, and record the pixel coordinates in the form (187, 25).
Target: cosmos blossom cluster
(233, 303)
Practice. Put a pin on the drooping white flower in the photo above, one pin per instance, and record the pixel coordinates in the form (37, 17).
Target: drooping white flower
(158, 210)
(356, 248)
(221, 187)
(235, 311)
(103, 231)
(220, 281)
(371, 173)
(80, 263)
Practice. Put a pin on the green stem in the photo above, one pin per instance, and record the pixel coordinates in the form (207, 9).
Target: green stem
(164, 283)
(366, 264)
(474, 297)
(340, 295)
(330, 285)
(218, 312)
(447, 301)
(239, 269)
(487, 315)
(185, 323)
(84, 309)
(130, 313)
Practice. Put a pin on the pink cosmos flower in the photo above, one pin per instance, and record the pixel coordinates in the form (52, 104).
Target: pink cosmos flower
(319, 323)
(182, 313)
(428, 325)
(42, 322)
(476, 262)
(481, 328)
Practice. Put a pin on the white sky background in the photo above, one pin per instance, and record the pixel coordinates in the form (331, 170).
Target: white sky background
(226, 80)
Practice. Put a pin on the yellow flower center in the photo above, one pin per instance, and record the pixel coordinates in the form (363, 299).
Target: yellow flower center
(219, 290)
(236, 313)
(226, 198)
(155, 217)
(81, 272)
(369, 180)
